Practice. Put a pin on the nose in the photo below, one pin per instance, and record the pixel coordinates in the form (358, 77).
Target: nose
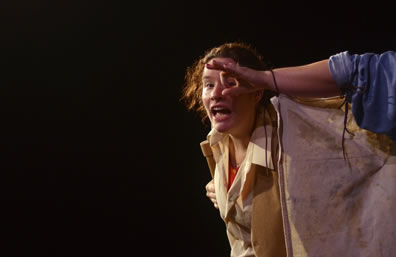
(216, 93)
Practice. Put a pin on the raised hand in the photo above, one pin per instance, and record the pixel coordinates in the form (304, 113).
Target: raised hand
(239, 79)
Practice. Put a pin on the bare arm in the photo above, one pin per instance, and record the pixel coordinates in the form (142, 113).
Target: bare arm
(312, 80)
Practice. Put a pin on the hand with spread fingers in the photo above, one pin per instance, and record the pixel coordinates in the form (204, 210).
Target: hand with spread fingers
(239, 79)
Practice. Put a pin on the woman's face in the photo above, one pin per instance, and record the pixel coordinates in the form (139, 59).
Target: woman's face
(234, 115)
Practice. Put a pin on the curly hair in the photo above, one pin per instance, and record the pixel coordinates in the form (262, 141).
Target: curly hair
(241, 53)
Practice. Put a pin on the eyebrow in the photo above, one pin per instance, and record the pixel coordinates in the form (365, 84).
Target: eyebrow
(207, 77)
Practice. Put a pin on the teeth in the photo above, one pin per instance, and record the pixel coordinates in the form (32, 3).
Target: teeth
(221, 110)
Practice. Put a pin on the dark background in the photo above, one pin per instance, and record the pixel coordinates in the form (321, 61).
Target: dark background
(100, 157)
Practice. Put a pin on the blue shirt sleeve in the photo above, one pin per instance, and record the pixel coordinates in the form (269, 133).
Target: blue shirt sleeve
(369, 81)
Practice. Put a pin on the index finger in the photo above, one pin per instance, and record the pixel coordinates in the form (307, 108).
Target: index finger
(229, 68)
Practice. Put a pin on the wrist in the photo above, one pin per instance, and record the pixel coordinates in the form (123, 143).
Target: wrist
(269, 82)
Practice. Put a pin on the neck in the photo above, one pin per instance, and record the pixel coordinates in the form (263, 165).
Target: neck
(239, 143)
(238, 147)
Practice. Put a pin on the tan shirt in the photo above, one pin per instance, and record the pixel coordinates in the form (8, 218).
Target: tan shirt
(235, 205)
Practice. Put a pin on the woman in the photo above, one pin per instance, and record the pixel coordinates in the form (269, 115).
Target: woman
(273, 192)
(241, 139)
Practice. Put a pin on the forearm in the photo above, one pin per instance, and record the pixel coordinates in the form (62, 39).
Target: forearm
(312, 80)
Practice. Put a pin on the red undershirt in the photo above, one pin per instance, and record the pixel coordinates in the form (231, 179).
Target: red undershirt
(231, 174)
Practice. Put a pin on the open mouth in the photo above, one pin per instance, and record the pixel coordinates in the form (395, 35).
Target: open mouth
(220, 111)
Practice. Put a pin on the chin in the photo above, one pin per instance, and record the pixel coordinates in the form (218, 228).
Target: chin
(221, 128)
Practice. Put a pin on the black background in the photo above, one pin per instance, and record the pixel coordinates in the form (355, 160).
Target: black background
(100, 157)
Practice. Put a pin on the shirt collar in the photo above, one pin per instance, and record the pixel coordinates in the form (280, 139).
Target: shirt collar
(214, 137)
(260, 140)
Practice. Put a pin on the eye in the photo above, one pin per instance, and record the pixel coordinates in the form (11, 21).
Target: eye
(231, 83)
(209, 85)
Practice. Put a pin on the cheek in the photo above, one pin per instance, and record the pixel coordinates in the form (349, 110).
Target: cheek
(205, 102)
(246, 104)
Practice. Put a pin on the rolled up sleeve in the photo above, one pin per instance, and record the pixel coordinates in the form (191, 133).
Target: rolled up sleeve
(369, 81)
(341, 68)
